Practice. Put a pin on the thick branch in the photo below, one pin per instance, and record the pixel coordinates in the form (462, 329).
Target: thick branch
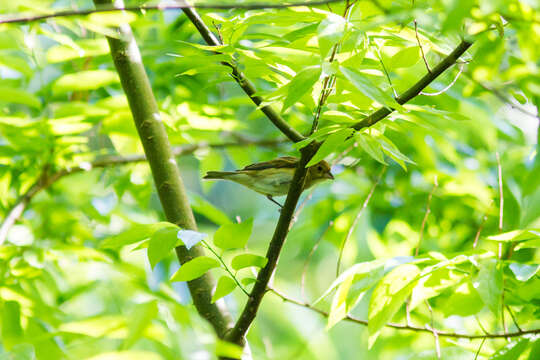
(408, 327)
(416, 88)
(236, 335)
(169, 185)
(46, 180)
(244, 83)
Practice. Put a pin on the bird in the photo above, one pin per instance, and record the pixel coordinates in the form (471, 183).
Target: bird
(273, 178)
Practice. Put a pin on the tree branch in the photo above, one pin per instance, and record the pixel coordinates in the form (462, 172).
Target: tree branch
(244, 83)
(237, 333)
(216, 6)
(416, 88)
(170, 188)
(46, 180)
(407, 327)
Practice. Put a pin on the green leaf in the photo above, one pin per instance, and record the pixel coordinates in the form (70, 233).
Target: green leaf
(12, 331)
(405, 58)
(370, 146)
(375, 270)
(433, 284)
(141, 317)
(127, 355)
(339, 308)
(205, 208)
(233, 236)
(489, 284)
(524, 272)
(78, 49)
(161, 243)
(464, 301)
(246, 260)
(300, 85)
(516, 235)
(225, 286)
(189, 238)
(228, 350)
(512, 350)
(194, 268)
(329, 32)
(16, 63)
(331, 144)
(85, 80)
(18, 96)
(388, 297)
(366, 87)
(137, 232)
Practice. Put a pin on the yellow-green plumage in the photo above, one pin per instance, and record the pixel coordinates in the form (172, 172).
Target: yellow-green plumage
(273, 178)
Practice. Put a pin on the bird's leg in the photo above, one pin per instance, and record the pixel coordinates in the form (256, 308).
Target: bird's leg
(274, 201)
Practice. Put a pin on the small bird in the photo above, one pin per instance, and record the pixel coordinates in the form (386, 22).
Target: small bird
(273, 178)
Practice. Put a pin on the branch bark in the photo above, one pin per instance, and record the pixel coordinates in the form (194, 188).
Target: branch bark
(237, 333)
(169, 185)
(415, 90)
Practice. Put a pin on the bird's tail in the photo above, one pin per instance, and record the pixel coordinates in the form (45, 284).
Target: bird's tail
(218, 174)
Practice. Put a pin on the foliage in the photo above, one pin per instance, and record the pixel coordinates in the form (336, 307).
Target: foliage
(88, 270)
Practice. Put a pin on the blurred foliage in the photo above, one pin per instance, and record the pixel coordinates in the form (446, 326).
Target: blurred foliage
(75, 280)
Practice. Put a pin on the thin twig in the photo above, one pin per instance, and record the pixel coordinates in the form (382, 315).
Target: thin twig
(357, 217)
(420, 85)
(501, 198)
(405, 327)
(513, 318)
(47, 180)
(249, 312)
(480, 228)
(505, 100)
(328, 81)
(503, 320)
(420, 45)
(481, 326)
(246, 85)
(162, 7)
(308, 259)
(386, 72)
(428, 211)
(479, 348)
(432, 328)
(447, 87)
(225, 266)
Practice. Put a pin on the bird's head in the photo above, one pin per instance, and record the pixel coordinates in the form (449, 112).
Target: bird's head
(318, 173)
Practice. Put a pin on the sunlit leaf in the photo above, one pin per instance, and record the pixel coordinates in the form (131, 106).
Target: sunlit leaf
(194, 268)
(230, 236)
(246, 260)
(225, 286)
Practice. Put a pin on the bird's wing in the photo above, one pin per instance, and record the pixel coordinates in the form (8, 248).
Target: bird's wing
(281, 162)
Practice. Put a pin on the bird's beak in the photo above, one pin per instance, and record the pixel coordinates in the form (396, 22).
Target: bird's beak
(329, 175)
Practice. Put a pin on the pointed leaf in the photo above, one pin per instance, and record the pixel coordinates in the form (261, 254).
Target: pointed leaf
(231, 236)
(301, 85)
(366, 87)
(331, 144)
(194, 268)
(489, 284)
(225, 286)
(388, 297)
(161, 243)
(246, 260)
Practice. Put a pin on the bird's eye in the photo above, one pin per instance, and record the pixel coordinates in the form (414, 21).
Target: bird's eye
(319, 168)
